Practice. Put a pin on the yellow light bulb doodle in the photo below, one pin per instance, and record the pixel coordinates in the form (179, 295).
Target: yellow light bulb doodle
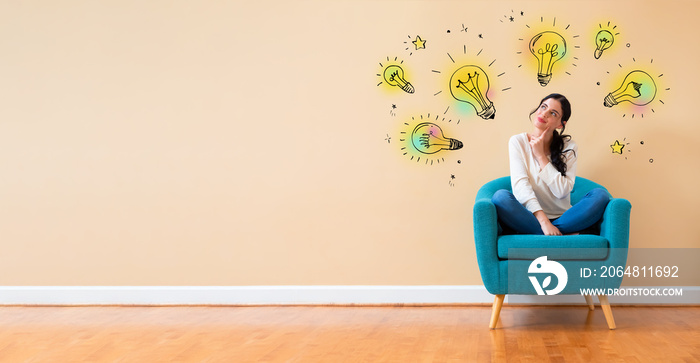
(470, 84)
(548, 47)
(603, 41)
(394, 76)
(428, 138)
(638, 88)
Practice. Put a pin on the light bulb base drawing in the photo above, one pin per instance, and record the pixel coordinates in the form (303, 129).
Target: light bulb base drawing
(408, 88)
(489, 113)
(597, 53)
(609, 100)
(455, 144)
(544, 79)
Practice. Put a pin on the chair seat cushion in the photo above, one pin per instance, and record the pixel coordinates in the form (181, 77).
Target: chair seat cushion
(529, 247)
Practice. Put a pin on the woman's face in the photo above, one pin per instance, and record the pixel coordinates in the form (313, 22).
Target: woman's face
(548, 115)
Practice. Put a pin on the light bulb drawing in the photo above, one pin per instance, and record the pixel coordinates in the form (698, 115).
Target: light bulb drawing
(394, 76)
(424, 142)
(548, 47)
(471, 80)
(603, 41)
(428, 138)
(470, 84)
(638, 88)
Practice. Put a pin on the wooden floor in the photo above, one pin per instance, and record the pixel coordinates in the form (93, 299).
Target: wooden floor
(347, 334)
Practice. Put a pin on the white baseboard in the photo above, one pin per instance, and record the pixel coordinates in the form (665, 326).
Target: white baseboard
(241, 295)
(296, 295)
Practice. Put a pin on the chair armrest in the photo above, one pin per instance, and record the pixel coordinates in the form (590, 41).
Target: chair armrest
(485, 222)
(615, 226)
(485, 239)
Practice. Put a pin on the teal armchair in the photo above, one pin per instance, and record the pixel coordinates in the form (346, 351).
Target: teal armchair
(528, 264)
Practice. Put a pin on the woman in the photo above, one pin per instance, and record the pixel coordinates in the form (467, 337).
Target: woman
(542, 175)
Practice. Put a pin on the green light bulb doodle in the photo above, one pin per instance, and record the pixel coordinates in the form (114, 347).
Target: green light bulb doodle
(603, 41)
(470, 84)
(394, 76)
(548, 48)
(638, 88)
(428, 138)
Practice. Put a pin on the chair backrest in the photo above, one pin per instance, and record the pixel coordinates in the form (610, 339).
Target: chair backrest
(581, 187)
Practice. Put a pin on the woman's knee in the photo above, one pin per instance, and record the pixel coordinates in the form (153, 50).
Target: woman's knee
(599, 195)
(598, 199)
(502, 197)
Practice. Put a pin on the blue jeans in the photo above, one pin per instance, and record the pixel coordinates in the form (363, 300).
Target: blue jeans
(580, 216)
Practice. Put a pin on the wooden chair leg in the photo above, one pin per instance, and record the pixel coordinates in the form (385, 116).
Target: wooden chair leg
(496, 310)
(589, 301)
(605, 304)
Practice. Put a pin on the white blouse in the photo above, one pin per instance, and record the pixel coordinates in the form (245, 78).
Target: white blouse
(545, 190)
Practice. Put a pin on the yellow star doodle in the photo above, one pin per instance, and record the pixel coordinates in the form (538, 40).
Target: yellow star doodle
(617, 147)
(420, 43)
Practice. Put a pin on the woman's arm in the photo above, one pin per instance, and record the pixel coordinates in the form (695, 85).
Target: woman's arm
(519, 177)
(522, 189)
(547, 227)
(561, 185)
(558, 184)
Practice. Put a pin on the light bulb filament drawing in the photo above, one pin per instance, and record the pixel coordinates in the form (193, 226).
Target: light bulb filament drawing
(548, 47)
(632, 90)
(548, 53)
(394, 75)
(428, 138)
(638, 88)
(470, 84)
(603, 41)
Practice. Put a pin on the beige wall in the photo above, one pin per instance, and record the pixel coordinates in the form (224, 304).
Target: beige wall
(244, 142)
